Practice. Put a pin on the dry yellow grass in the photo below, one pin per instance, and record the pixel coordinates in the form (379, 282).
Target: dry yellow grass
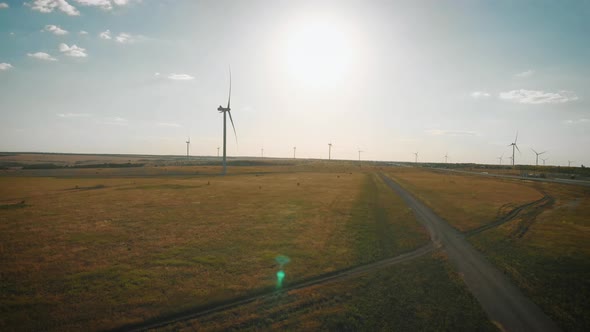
(465, 201)
(99, 251)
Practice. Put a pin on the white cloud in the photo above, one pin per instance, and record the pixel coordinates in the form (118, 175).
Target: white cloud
(105, 35)
(523, 96)
(5, 66)
(180, 77)
(48, 6)
(104, 4)
(42, 56)
(578, 121)
(439, 132)
(115, 121)
(82, 32)
(55, 30)
(480, 94)
(168, 124)
(73, 115)
(124, 38)
(525, 74)
(3, 5)
(73, 51)
(121, 38)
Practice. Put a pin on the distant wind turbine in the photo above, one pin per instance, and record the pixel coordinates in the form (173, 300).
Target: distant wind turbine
(261, 152)
(544, 160)
(446, 157)
(416, 158)
(218, 151)
(294, 150)
(514, 146)
(569, 163)
(329, 151)
(227, 110)
(537, 153)
(360, 156)
(188, 143)
(500, 158)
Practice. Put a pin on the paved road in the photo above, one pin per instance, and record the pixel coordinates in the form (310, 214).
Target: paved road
(504, 303)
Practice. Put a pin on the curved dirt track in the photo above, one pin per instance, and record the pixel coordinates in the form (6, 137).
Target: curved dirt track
(504, 303)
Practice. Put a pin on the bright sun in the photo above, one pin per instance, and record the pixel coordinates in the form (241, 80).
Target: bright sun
(319, 53)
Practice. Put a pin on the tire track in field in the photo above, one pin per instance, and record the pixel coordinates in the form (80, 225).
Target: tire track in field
(318, 280)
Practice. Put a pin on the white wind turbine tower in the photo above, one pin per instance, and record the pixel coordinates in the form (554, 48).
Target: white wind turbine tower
(329, 151)
(218, 151)
(294, 150)
(538, 154)
(188, 143)
(500, 158)
(544, 160)
(513, 147)
(569, 163)
(416, 157)
(446, 157)
(225, 111)
(261, 152)
(360, 157)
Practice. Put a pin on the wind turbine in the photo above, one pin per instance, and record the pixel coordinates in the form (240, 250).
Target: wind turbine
(416, 158)
(512, 159)
(261, 152)
(544, 160)
(514, 146)
(294, 150)
(329, 151)
(569, 163)
(360, 157)
(537, 153)
(227, 110)
(218, 151)
(500, 158)
(446, 157)
(188, 143)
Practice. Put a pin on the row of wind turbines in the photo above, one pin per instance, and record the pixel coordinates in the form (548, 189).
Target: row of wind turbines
(227, 111)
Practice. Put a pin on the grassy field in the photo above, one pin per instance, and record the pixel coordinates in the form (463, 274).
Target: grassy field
(96, 251)
(545, 250)
(465, 201)
(421, 295)
(551, 261)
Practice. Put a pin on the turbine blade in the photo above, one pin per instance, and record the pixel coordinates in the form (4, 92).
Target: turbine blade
(517, 148)
(542, 152)
(516, 139)
(229, 98)
(534, 151)
(232, 125)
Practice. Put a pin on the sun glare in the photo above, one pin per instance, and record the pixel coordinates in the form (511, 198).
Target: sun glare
(319, 53)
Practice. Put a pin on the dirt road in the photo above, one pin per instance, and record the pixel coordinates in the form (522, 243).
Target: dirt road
(504, 303)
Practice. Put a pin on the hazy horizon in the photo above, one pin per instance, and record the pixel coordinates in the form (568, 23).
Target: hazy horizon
(386, 77)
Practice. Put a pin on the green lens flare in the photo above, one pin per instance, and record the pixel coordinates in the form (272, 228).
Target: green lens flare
(280, 277)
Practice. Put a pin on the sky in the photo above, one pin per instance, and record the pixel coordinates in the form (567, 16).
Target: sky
(390, 78)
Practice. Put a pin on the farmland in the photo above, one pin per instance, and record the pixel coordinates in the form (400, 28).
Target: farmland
(87, 250)
(108, 247)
